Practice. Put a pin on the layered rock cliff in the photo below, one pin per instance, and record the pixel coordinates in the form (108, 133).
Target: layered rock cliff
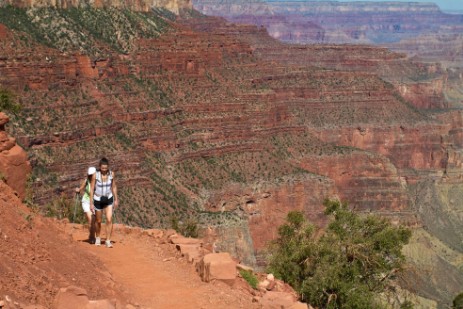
(417, 28)
(135, 5)
(220, 123)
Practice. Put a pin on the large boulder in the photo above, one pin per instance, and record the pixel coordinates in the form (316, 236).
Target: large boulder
(191, 248)
(217, 266)
(192, 253)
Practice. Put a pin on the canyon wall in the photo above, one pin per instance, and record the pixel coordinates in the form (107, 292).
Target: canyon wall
(135, 5)
(221, 124)
(419, 29)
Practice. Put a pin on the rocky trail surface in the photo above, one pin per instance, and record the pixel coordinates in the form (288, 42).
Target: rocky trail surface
(153, 275)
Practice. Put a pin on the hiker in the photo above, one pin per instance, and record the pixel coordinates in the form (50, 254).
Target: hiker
(103, 197)
(84, 190)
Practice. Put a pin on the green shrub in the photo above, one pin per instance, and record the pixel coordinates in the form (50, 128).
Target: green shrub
(407, 305)
(189, 228)
(355, 259)
(63, 207)
(250, 278)
(8, 102)
(458, 301)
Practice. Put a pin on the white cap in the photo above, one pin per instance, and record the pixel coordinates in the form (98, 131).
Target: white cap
(91, 170)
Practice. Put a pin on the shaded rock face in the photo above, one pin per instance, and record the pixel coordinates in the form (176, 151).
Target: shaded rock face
(14, 166)
(135, 5)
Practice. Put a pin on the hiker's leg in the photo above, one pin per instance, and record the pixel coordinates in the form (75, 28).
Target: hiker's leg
(98, 216)
(109, 221)
(88, 215)
(92, 226)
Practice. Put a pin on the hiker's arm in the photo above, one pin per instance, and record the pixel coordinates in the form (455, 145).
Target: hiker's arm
(80, 189)
(114, 188)
(92, 189)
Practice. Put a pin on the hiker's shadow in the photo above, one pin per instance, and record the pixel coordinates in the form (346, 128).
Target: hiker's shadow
(92, 241)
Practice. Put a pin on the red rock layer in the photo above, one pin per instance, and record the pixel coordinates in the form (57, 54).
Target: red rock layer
(185, 116)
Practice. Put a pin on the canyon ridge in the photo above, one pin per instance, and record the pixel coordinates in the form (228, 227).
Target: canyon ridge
(221, 125)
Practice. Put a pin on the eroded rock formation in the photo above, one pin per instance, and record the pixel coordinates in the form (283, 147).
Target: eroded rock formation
(14, 166)
(222, 124)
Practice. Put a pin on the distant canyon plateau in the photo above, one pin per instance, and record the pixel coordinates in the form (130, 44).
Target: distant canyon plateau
(232, 121)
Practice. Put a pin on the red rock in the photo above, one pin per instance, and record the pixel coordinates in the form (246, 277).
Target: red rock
(192, 252)
(170, 232)
(14, 166)
(100, 304)
(3, 31)
(264, 284)
(277, 300)
(272, 284)
(299, 305)
(244, 267)
(71, 297)
(217, 266)
(181, 240)
(154, 233)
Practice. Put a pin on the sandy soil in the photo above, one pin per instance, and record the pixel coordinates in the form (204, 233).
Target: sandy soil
(153, 275)
(38, 256)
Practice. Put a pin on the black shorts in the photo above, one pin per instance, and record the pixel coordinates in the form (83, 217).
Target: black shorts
(100, 206)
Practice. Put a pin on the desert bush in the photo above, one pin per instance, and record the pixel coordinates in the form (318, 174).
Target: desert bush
(8, 102)
(187, 228)
(353, 260)
(250, 278)
(63, 207)
(458, 301)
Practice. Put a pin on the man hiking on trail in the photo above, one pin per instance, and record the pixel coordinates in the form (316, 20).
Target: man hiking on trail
(84, 190)
(103, 197)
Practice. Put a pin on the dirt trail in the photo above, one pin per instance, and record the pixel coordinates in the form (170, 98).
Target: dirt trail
(152, 276)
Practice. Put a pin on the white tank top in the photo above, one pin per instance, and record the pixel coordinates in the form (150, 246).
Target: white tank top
(103, 188)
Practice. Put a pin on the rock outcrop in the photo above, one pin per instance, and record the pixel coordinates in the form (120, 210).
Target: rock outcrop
(14, 166)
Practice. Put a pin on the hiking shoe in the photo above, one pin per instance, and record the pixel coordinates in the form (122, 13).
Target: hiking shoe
(108, 244)
(97, 241)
